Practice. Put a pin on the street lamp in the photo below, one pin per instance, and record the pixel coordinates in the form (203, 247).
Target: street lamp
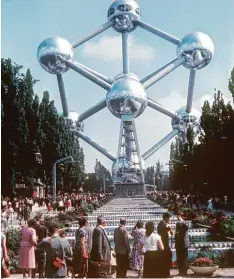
(68, 159)
(38, 157)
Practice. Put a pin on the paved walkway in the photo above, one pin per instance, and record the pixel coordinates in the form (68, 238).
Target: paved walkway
(220, 273)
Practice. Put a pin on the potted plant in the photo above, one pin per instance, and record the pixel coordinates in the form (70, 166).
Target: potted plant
(203, 266)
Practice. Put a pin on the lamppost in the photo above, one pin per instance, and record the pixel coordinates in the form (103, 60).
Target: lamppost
(68, 159)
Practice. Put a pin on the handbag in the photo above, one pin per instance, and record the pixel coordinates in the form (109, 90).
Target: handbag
(100, 266)
(5, 270)
(57, 262)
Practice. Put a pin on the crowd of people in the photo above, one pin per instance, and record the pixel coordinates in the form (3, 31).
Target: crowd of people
(194, 201)
(47, 251)
(151, 254)
(21, 207)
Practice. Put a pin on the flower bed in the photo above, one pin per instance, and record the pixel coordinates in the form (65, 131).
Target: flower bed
(203, 262)
(218, 222)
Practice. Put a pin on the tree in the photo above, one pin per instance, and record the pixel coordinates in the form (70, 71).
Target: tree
(231, 84)
(209, 161)
(102, 173)
(30, 126)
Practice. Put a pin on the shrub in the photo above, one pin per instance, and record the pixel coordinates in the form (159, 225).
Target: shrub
(227, 227)
(13, 237)
(49, 220)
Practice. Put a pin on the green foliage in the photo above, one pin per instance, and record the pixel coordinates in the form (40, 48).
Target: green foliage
(13, 237)
(153, 174)
(87, 208)
(227, 227)
(231, 83)
(48, 221)
(30, 126)
(209, 161)
(96, 179)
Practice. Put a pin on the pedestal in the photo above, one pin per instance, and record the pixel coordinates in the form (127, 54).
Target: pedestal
(129, 190)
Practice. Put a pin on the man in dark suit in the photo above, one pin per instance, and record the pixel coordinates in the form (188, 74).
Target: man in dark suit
(101, 250)
(89, 235)
(122, 249)
(182, 245)
(41, 232)
(163, 230)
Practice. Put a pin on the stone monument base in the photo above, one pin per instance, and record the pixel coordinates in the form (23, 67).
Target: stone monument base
(129, 190)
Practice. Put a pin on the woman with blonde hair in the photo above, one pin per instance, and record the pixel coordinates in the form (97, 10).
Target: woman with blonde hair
(150, 245)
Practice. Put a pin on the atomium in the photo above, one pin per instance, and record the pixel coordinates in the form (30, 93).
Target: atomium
(50, 52)
(187, 120)
(73, 122)
(198, 50)
(125, 95)
(123, 14)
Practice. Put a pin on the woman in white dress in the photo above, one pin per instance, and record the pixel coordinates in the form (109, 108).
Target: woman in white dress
(150, 246)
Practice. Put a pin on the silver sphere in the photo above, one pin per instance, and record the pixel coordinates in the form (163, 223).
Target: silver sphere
(49, 53)
(188, 120)
(123, 14)
(126, 165)
(73, 121)
(126, 96)
(198, 50)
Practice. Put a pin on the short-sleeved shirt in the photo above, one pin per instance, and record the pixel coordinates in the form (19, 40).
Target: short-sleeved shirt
(80, 233)
(150, 243)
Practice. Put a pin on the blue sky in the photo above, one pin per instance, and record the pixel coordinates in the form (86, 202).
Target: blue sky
(25, 23)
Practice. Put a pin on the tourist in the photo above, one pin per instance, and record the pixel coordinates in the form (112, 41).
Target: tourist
(182, 245)
(26, 213)
(81, 251)
(27, 248)
(62, 234)
(122, 249)
(4, 219)
(163, 230)
(149, 246)
(89, 238)
(210, 204)
(4, 254)
(11, 213)
(216, 203)
(41, 233)
(54, 245)
(101, 251)
(49, 207)
(136, 260)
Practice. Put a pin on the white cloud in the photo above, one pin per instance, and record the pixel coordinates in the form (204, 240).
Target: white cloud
(210, 98)
(108, 48)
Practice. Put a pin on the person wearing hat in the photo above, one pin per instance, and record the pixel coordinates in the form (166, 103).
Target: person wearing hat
(122, 249)
(101, 250)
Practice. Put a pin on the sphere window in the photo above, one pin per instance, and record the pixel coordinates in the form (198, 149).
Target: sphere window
(138, 11)
(121, 8)
(111, 11)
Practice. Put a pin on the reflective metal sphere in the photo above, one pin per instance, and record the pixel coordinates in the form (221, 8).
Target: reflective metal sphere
(188, 120)
(49, 53)
(123, 14)
(197, 48)
(126, 95)
(73, 121)
(127, 165)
